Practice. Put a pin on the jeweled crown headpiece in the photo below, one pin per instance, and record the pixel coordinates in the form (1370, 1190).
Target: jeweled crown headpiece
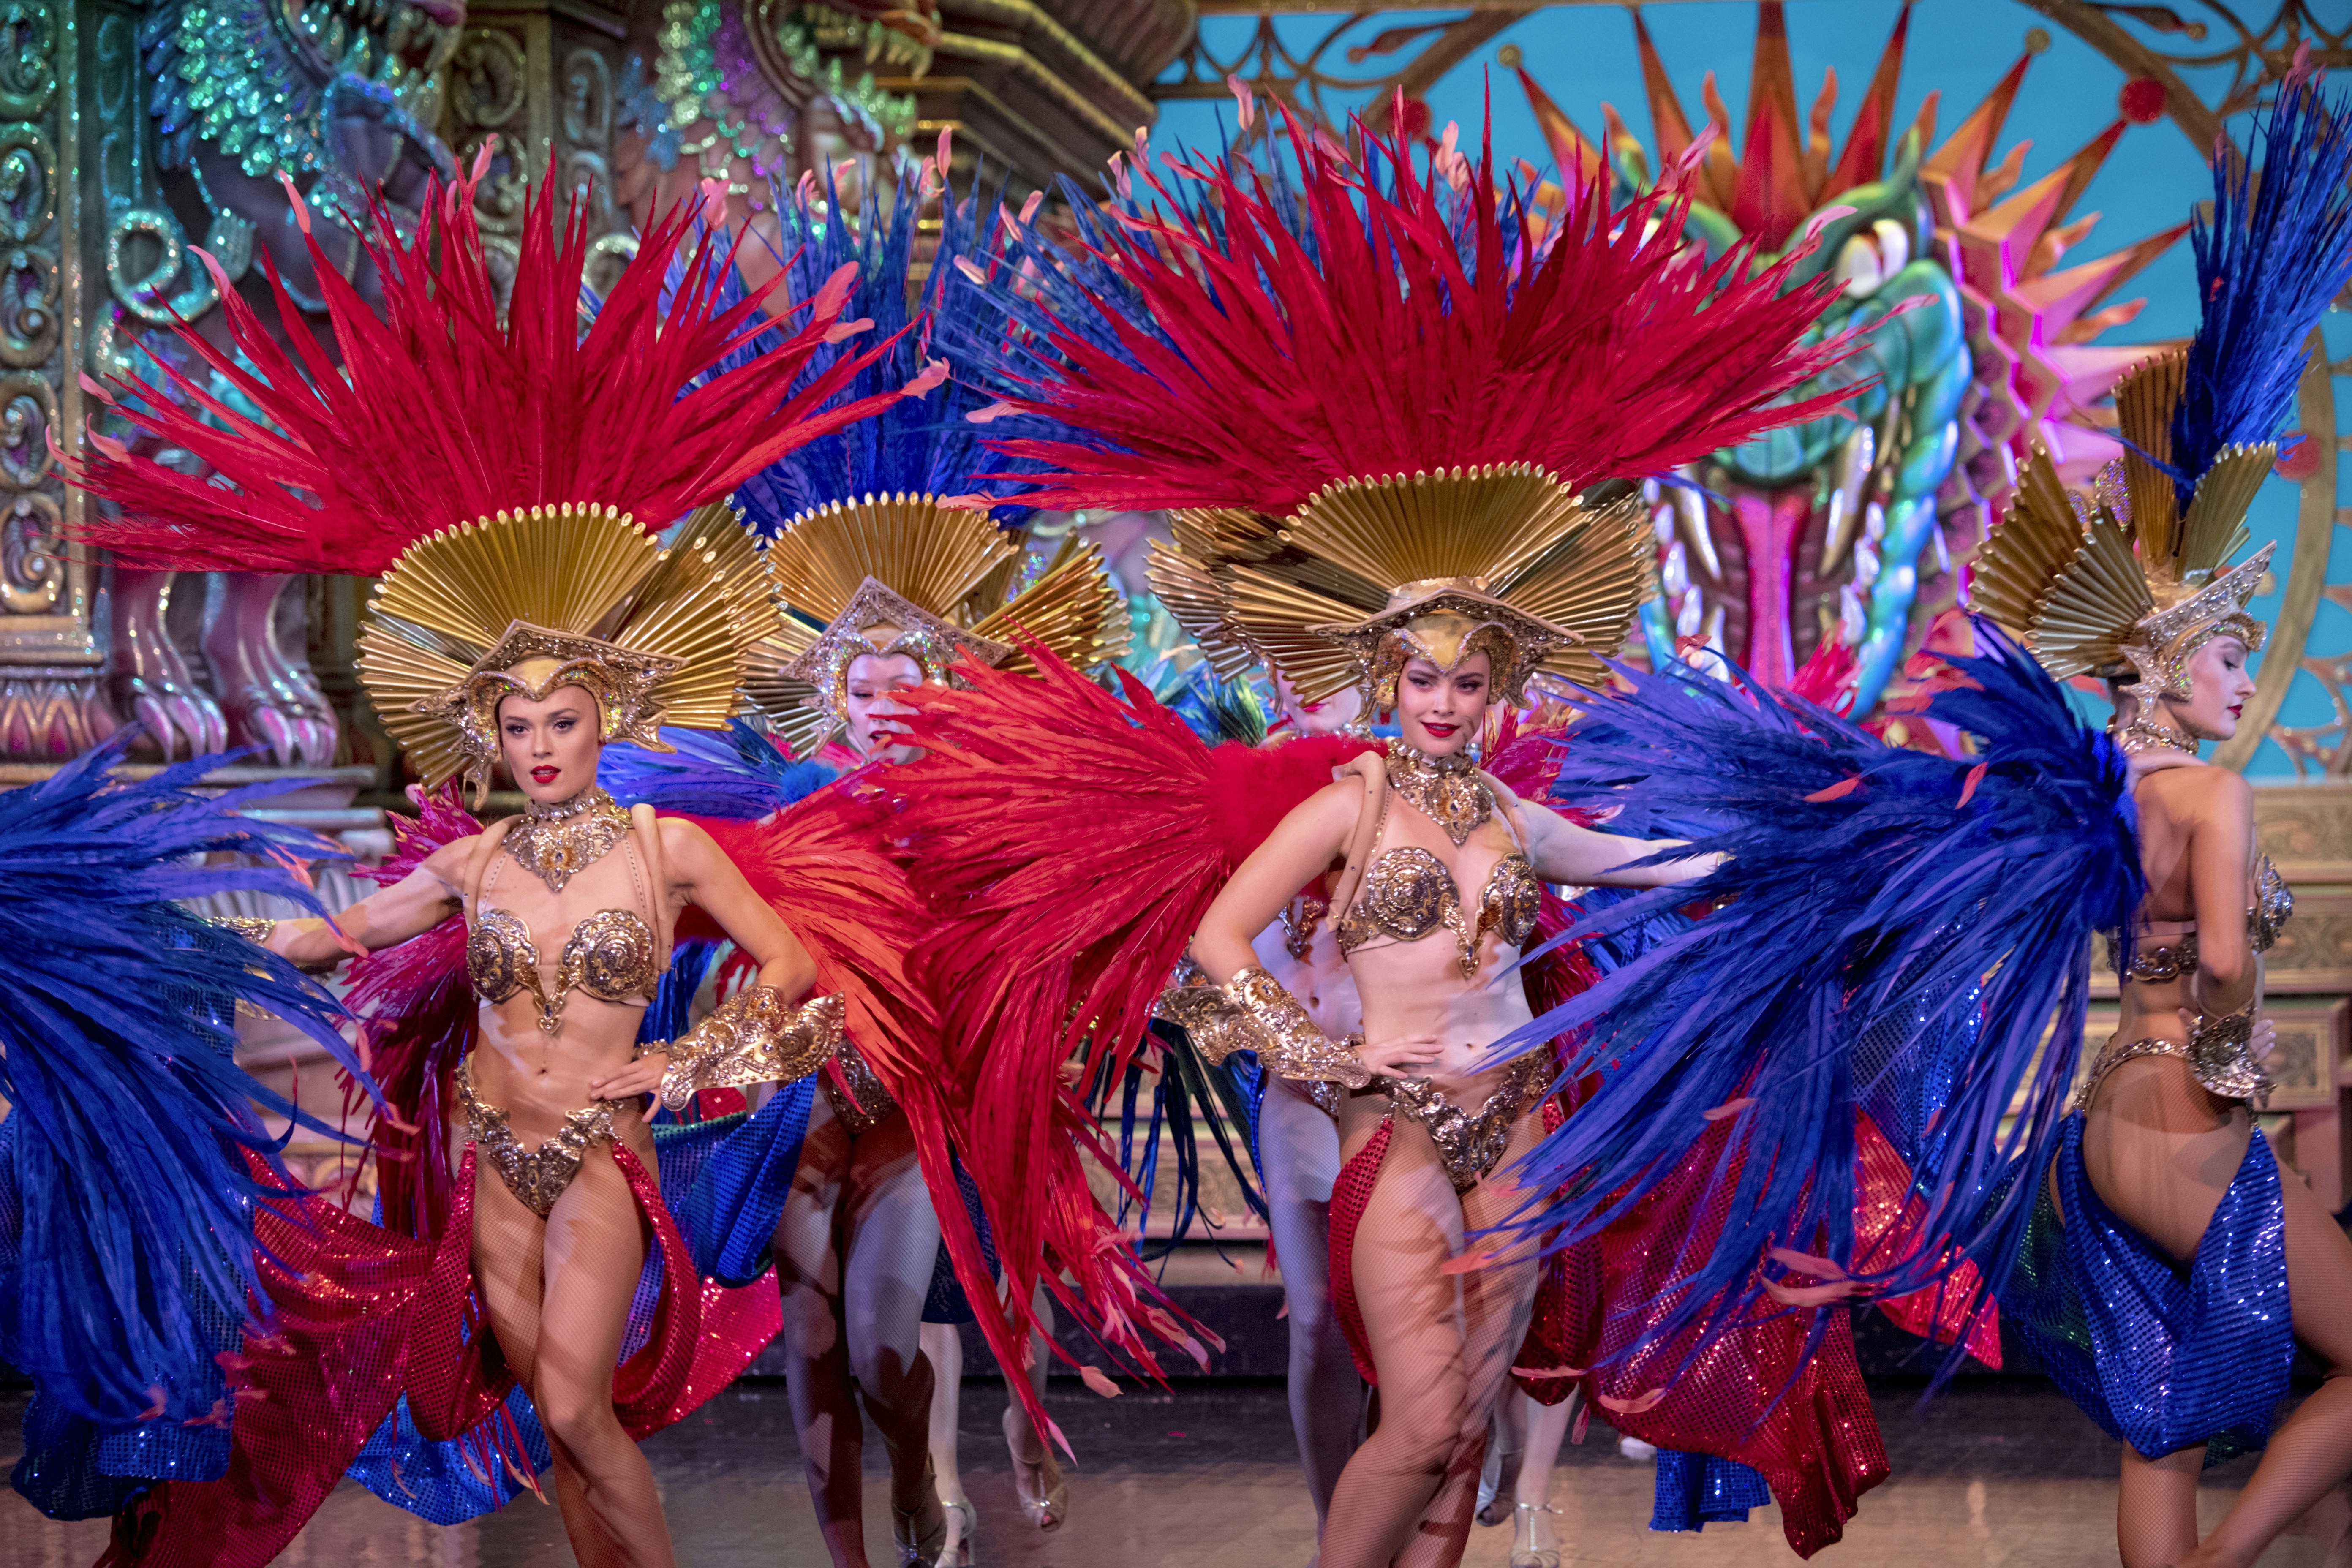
(1377, 397)
(505, 470)
(886, 538)
(2130, 580)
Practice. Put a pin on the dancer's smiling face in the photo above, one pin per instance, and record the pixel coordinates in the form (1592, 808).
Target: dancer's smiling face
(1440, 710)
(869, 688)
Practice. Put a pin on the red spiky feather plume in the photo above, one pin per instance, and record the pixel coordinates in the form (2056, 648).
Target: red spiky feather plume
(1070, 842)
(1603, 348)
(435, 411)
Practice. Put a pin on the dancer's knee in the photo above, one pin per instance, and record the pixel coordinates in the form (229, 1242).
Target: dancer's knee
(1424, 1432)
(580, 1421)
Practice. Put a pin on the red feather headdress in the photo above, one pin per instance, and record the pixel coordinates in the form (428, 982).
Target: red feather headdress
(504, 473)
(437, 411)
(1384, 396)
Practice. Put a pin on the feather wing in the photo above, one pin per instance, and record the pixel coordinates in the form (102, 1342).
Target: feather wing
(1070, 840)
(132, 1119)
(1868, 886)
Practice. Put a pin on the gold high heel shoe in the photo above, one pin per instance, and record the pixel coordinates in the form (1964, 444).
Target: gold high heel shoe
(921, 1533)
(1044, 1490)
(957, 1552)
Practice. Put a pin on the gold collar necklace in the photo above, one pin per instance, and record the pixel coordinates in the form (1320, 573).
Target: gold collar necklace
(1448, 790)
(2143, 736)
(555, 843)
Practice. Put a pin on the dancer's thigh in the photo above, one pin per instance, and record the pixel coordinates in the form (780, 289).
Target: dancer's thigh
(596, 1252)
(1410, 1305)
(807, 1266)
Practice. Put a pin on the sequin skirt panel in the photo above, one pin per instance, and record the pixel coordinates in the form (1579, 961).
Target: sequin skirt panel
(2160, 1358)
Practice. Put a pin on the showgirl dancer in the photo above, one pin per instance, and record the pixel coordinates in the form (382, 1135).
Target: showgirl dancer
(494, 472)
(143, 1223)
(2138, 1232)
(889, 565)
(1425, 426)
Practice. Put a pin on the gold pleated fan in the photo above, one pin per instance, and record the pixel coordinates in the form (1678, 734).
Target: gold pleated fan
(670, 627)
(906, 574)
(1504, 543)
(2109, 585)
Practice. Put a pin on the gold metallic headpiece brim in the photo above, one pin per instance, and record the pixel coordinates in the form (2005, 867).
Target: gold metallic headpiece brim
(939, 575)
(666, 630)
(1557, 581)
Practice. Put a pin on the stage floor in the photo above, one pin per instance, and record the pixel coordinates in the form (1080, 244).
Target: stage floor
(1992, 1475)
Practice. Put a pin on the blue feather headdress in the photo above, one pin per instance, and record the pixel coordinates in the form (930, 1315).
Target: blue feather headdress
(884, 538)
(922, 445)
(2130, 587)
(132, 1129)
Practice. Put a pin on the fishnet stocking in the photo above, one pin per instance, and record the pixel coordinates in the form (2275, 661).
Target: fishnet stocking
(2161, 1153)
(1299, 1148)
(854, 1256)
(557, 1293)
(1442, 1344)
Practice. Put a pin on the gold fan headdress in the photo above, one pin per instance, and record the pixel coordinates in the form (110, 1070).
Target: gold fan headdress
(2130, 583)
(1503, 559)
(530, 602)
(910, 574)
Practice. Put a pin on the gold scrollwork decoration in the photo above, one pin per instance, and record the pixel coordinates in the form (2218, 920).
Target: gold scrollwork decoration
(146, 295)
(28, 409)
(29, 320)
(28, 183)
(490, 75)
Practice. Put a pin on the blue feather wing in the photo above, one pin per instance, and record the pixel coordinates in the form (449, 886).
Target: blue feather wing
(1872, 915)
(133, 1122)
(737, 775)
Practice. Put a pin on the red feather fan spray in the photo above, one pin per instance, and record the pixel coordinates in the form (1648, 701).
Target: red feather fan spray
(1607, 348)
(1070, 891)
(437, 411)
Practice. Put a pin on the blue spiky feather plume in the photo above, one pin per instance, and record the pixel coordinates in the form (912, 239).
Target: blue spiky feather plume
(1873, 894)
(131, 1122)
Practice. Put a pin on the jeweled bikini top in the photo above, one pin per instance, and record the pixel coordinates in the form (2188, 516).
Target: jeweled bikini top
(2176, 954)
(1408, 892)
(613, 954)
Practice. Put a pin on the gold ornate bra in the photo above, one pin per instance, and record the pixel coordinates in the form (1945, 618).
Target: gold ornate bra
(1408, 893)
(610, 955)
(2220, 1052)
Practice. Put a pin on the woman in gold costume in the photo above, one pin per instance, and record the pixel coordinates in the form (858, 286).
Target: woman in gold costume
(505, 472)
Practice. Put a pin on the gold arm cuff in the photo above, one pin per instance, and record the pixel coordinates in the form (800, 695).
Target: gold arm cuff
(2222, 1058)
(753, 1036)
(1253, 1012)
(255, 929)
